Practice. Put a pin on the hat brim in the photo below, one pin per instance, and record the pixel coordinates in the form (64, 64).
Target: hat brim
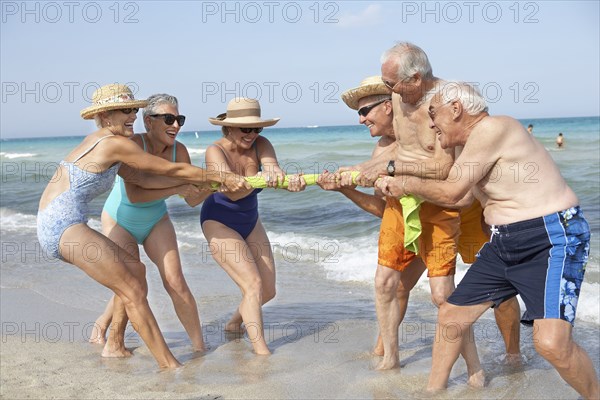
(89, 112)
(352, 96)
(244, 122)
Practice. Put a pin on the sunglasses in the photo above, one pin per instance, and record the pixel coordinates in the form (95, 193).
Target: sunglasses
(392, 85)
(170, 118)
(364, 111)
(129, 110)
(250, 130)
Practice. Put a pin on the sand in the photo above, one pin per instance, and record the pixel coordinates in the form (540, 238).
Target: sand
(321, 350)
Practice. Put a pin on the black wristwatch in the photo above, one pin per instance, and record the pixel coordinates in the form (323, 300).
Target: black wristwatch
(391, 168)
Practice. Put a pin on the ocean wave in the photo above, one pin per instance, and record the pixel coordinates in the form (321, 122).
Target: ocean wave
(17, 155)
(15, 221)
(196, 151)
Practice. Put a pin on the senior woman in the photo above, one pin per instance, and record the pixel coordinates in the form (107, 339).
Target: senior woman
(230, 220)
(133, 216)
(88, 171)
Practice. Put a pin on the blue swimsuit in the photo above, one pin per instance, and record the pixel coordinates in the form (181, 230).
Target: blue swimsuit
(71, 206)
(240, 215)
(136, 218)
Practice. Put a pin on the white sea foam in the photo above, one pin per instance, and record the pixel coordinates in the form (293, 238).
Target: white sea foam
(15, 221)
(196, 151)
(17, 155)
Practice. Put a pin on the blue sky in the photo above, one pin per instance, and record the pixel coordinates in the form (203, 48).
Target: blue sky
(530, 59)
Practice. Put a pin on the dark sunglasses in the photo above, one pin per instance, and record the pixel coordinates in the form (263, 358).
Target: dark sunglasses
(129, 110)
(249, 130)
(170, 118)
(364, 111)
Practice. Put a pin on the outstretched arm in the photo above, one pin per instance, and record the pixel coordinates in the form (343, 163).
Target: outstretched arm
(127, 152)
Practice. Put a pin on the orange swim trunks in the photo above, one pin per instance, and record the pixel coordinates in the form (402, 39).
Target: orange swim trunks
(472, 234)
(437, 243)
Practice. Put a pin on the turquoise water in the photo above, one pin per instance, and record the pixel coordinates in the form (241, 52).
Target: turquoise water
(322, 231)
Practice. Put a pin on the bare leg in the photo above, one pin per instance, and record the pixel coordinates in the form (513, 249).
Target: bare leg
(388, 314)
(508, 316)
(115, 345)
(260, 248)
(98, 335)
(449, 338)
(161, 247)
(441, 288)
(408, 279)
(553, 340)
(232, 253)
(105, 262)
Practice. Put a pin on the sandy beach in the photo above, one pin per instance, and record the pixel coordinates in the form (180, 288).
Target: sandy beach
(321, 350)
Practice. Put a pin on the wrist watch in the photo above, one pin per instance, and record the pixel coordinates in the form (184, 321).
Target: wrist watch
(391, 168)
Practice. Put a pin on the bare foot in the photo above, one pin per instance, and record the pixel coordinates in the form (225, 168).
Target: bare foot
(512, 360)
(378, 349)
(388, 363)
(98, 335)
(477, 380)
(115, 351)
(263, 352)
(172, 365)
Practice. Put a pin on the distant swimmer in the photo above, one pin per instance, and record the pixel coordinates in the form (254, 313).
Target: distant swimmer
(530, 129)
(560, 140)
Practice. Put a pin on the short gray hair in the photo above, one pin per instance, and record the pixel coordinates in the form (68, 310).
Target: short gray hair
(411, 59)
(157, 100)
(472, 101)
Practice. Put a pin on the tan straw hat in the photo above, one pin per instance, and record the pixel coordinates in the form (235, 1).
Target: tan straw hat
(243, 113)
(370, 86)
(111, 97)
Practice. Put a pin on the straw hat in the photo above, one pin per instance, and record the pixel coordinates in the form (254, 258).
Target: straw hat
(370, 86)
(243, 113)
(111, 97)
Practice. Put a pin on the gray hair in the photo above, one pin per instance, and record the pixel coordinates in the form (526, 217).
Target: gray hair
(472, 101)
(411, 60)
(157, 100)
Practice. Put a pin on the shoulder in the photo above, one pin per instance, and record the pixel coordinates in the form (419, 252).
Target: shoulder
(215, 149)
(500, 125)
(182, 152)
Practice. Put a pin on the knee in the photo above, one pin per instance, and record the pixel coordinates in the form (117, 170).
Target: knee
(254, 289)
(175, 285)
(385, 286)
(438, 299)
(444, 314)
(553, 350)
(135, 295)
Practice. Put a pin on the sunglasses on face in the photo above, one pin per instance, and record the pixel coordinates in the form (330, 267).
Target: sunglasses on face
(364, 111)
(129, 110)
(170, 118)
(250, 130)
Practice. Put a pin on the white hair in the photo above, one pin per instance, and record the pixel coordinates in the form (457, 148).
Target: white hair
(411, 60)
(156, 100)
(472, 101)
